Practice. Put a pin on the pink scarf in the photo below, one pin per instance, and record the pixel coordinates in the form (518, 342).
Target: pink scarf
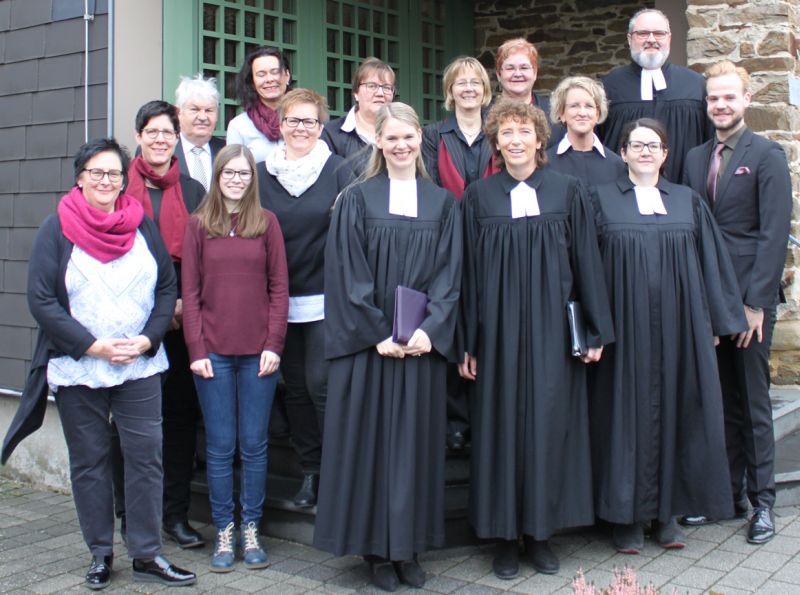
(104, 236)
(265, 119)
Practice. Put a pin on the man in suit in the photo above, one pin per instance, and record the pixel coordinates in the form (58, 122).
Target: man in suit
(197, 100)
(745, 179)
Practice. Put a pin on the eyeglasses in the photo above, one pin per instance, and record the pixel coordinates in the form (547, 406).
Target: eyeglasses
(576, 107)
(97, 174)
(638, 146)
(152, 133)
(307, 122)
(463, 84)
(642, 34)
(229, 174)
(373, 88)
(509, 68)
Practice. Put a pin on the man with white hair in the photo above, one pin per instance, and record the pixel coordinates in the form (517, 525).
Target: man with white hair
(197, 100)
(651, 87)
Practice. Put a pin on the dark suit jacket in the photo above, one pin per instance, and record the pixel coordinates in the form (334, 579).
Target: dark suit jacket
(215, 144)
(753, 210)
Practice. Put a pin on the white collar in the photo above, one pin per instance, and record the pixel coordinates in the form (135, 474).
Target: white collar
(351, 123)
(564, 145)
(649, 201)
(403, 197)
(652, 78)
(189, 145)
(524, 202)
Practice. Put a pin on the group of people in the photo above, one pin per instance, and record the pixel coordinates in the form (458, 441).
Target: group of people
(191, 277)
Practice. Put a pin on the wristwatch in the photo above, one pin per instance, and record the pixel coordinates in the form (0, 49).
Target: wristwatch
(754, 309)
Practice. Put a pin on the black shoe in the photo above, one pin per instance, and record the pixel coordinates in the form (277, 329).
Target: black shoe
(123, 529)
(506, 559)
(410, 573)
(306, 497)
(741, 508)
(183, 534)
(383, 574)
(668, 535)
(160, 570)
(541, 556)
(762, 525)
(99, 574)
(628, 539)
(456, 440)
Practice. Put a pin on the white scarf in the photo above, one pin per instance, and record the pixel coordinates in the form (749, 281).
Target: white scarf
(652, 78)
(648, 199)
(298, 175)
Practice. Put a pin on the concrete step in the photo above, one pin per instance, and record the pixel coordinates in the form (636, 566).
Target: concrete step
(785, 410)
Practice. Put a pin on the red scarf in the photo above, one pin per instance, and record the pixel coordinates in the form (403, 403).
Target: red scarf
(104, 236)
(449, 175)
(173, 216)
(265, 119)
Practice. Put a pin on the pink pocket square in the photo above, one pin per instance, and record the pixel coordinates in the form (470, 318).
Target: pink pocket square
(742, 171)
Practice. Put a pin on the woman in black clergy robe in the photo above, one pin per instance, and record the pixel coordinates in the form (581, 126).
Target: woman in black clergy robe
(529, 244)
(382, 484)
(658, 439)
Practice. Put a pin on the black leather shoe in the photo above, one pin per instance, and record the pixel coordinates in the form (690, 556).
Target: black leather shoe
(99, 574)
(382, 573)
(506, 559)
(183, 534)
(762, 525)
(306, 497)
(159, 570)
(456, 440)
(410, 573)
(541, 556)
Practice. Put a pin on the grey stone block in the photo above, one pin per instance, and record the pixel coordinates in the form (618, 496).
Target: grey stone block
(719, 560)
(766, 560)
(789, 573)
(12, 144)
(59, 72)
(47, 140)
(98, 102)
(15, 110)
(41, 175)
(18, 77)
(15, 343)
(20, 242)
(744, 578)
(25, 13)
(25, 44)
(9, 181)
(12, 375)
(698, 578)
(14, 310)
(30, 210)
(53, 106)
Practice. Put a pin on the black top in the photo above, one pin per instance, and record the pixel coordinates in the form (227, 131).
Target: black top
(347, 144)
(304, 221)
(588, 166)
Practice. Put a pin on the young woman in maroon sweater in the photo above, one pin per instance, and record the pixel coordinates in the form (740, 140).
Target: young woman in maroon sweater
(235, 306)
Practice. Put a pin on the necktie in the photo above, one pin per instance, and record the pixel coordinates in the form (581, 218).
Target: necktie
(198, 171)
(713, 172)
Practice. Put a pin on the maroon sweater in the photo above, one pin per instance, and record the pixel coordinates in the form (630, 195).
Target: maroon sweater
(235, 292)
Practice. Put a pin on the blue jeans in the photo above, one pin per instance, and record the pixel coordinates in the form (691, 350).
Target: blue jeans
(236, 403)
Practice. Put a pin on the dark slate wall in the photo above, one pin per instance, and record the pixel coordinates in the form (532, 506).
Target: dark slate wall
(41, 126)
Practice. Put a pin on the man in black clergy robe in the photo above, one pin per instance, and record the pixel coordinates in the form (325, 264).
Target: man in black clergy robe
(745, 179)
(650, 87)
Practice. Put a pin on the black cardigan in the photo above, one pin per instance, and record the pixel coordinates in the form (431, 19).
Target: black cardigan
(60, 334)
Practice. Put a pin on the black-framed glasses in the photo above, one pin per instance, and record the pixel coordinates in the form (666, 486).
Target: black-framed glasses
(636, 146)
(229, 174)
(152, 133)
(96, 174)
(306, 122)
(642, 34)
(373, 88)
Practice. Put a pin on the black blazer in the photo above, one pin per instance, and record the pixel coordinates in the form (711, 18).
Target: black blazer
(59, 333)
(753, 210)
(215, 144)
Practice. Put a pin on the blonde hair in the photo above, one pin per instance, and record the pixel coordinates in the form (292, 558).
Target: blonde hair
(558, 99)
(298, 96)
(212, 214)
(517, 111)
(397, 111)
(724, 67)
(455, 68)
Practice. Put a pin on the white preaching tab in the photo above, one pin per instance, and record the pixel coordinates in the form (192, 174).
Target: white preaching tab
(403, 197)
(524, 202)
(649, 200)
(652, 78)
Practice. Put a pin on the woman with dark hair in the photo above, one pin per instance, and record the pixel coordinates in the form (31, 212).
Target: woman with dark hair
(353, 135)
(168, 197)
(529, 247)
(382, 485)
(658, 439)
(101, 285)
(299, 182)
(262, 80)
(235, 292)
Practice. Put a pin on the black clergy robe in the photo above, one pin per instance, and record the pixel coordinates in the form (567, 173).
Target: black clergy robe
(382, 483)
(681, 108)
(658, 439)
(590, 167)
(531, 469)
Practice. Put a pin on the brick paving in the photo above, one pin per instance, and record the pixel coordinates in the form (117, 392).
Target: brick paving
(42, 551)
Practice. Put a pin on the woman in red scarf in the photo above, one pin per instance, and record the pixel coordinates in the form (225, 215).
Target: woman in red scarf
(262, 81)
(168, 197)
(102, 288)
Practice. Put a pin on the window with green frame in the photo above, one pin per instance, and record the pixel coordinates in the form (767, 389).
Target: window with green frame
(324, 40)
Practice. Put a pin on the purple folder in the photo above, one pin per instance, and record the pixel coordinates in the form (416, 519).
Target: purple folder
(410, 307)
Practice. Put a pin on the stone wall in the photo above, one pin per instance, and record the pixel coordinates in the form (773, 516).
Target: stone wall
(760, 36)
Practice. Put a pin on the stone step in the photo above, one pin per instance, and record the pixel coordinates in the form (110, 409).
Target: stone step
(785, 410)
(787, 470)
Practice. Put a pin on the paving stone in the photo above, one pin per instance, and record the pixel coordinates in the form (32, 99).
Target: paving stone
(668, 564)
(55, 584)
(695, 549)
(789, 573)
(772, 587)
(698, 577)
(766, 560)
(673, 589)
(782, 544)
(471, 569)
(443, 584)
(744, 578)
(476, 590)
(541, 583)
(720, 560)
(290, 565)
